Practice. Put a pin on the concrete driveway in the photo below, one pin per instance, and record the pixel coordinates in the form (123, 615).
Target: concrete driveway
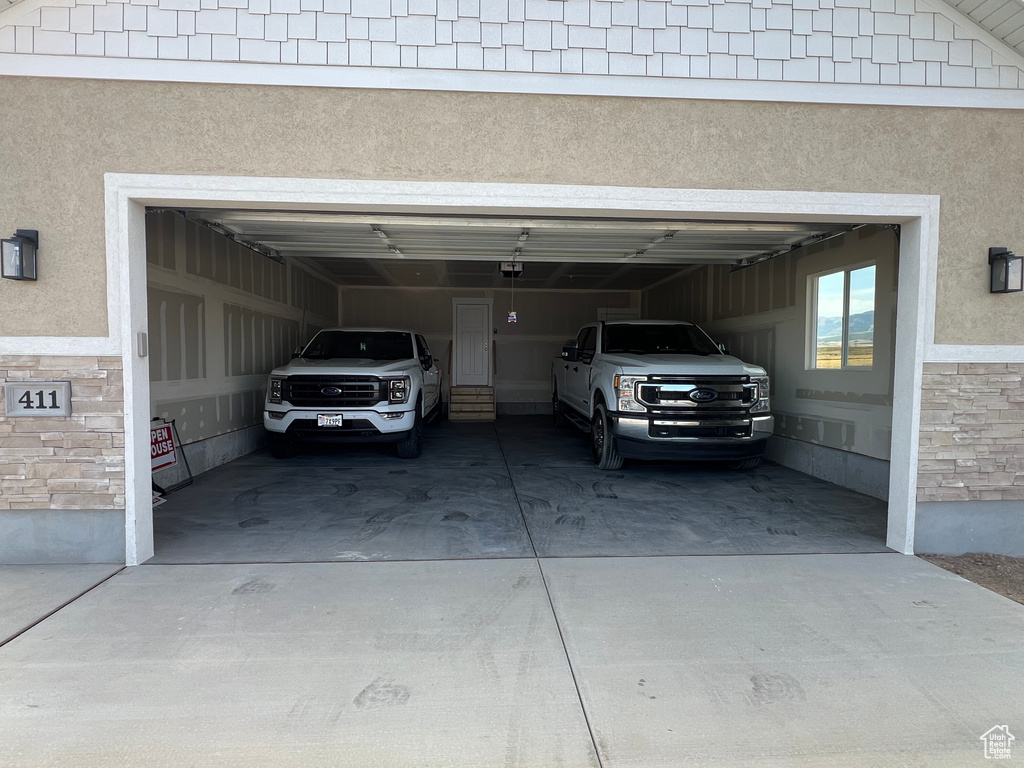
(542, 657)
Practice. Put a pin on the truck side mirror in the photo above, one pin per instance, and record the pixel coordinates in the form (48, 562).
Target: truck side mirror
(426, 361)
(297, 353)
(570, 351)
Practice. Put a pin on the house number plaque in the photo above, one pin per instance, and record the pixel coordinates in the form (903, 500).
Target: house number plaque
(38, 398)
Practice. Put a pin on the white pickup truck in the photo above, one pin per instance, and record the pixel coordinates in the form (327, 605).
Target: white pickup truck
(354, 385)
(660, 389)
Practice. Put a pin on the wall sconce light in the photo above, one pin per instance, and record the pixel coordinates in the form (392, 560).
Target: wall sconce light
(18, 260)
(1007, 271)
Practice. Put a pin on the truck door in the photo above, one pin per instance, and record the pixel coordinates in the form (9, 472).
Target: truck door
(577, 374)
(431, 375)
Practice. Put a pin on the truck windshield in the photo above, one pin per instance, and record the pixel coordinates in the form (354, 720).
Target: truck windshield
(372, 345)
(657, 340)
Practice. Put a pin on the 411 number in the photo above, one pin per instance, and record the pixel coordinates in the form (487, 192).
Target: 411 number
(40, 401)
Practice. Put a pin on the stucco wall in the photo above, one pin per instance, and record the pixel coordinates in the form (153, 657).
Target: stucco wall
(53, 166)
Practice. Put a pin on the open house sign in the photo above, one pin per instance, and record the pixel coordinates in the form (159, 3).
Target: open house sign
(161, 447)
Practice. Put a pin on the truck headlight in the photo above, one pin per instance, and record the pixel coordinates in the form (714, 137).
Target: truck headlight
(275, 390)
(398, 390)
(626, 391)
(762, 404)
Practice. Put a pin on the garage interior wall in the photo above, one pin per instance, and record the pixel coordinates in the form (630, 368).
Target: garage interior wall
(830, 423)
(523, 351)
(221, 317)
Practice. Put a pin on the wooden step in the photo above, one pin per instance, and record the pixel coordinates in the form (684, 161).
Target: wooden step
(471, 404)
(470, 407)
(470, 399)
(473, 390)
(471, 416)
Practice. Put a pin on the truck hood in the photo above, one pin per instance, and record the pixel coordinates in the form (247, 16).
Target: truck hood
(687, 365)
(345, 366)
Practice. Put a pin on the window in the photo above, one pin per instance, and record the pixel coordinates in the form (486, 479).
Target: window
(354, 345)
(639, 339)
(587, 343)
(842, 333)
(426, 360)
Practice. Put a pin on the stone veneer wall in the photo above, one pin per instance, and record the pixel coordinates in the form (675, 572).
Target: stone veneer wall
(972, 432)
(65, 463)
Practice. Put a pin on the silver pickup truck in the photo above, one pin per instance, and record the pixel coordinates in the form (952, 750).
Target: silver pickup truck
(354, 385)
(659, 389)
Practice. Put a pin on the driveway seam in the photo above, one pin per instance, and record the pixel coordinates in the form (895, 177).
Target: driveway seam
(62, 606)
(551, 604)
(540, 558)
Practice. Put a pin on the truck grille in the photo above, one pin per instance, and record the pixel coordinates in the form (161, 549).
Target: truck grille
(353, 391)
(672, 395)
(705, 426)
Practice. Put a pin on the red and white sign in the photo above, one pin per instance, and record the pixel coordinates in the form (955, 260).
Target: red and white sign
(161, 447)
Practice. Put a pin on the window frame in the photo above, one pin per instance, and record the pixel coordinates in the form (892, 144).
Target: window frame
(811, 330)
(587, 334)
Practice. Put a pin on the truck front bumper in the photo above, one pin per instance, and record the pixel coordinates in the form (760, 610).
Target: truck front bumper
(633, 440)
(363, 426)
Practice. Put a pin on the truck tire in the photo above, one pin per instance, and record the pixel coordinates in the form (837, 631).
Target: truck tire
(283, 448)
(557, 410)
(412, 445)
(745, 464)
(602, 445)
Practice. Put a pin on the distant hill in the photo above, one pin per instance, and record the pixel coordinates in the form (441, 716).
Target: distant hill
(862, 326)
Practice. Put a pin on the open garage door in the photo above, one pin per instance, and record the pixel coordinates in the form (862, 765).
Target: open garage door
(812, 303)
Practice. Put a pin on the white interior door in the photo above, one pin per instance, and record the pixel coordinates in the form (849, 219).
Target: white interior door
(472, 347)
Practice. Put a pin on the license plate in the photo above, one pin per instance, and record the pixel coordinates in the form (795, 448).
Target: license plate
(330, 420)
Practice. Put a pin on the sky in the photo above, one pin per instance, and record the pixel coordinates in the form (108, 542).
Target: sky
(862, 293)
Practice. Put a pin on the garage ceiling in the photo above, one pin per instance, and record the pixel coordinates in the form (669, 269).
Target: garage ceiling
(465, 252)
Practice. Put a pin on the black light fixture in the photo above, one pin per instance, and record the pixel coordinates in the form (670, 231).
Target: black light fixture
(1007, 271)
(18, 260)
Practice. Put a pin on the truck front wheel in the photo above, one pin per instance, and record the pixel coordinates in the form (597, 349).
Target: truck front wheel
(602, 445)
(412, 445)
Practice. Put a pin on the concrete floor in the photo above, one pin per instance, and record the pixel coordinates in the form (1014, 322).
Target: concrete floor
(501, 490)
(499, 640)
(777, 660)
